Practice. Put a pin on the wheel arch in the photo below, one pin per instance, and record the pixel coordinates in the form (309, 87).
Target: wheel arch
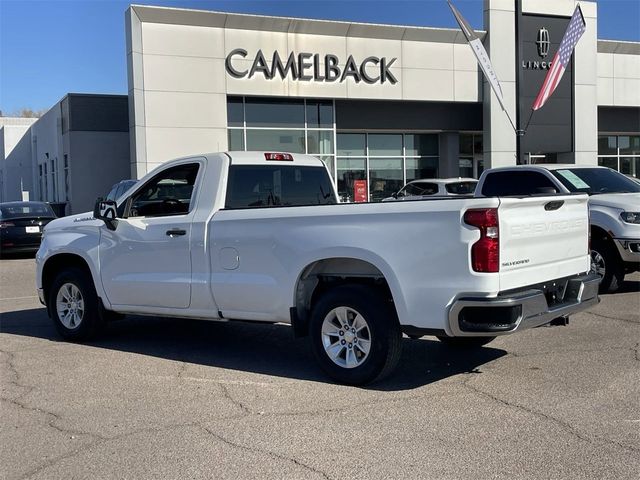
(323, 274)
(57, 263)
(599, 233)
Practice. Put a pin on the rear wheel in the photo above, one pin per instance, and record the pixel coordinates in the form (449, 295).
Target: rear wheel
(606, 262)
(73, 304)
(355, 335)
(465, 342)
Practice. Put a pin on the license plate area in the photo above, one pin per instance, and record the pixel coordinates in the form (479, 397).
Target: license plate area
(32, 229)
(554, 291)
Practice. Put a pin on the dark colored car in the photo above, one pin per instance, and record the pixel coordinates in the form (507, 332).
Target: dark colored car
(21, 225)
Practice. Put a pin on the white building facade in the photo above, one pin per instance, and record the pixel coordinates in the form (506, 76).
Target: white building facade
(16, 175)
(380, 103)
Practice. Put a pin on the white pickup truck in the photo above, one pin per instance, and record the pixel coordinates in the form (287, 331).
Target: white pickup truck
(260, 236)
(614, 207)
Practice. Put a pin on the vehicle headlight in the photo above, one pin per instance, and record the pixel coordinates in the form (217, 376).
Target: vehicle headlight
(630, 217)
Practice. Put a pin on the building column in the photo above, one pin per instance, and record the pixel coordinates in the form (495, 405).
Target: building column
(585, 95)
(448, 162)
(499, 139)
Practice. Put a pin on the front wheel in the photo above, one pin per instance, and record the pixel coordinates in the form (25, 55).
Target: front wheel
(355, 335)
(465, 342)
(73, 304)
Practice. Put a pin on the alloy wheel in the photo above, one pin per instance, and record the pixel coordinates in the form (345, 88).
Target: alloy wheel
(70, 305)
(346, 337)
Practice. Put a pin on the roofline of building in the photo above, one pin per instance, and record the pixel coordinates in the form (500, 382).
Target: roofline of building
(619, 46)
(272, 23)
(244, 21)
(109, 95)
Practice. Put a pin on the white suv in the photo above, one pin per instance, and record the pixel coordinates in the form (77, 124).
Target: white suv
(434, 187)
(614, 206)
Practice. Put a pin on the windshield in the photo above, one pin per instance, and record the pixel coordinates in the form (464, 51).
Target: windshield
(461, 188)
(17, 210)
(595, 181)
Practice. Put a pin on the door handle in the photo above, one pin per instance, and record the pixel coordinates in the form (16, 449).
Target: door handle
(176, 232)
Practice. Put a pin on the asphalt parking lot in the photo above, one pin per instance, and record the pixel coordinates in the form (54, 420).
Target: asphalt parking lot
(168, 398)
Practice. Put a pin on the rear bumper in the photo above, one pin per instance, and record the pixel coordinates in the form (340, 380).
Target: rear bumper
(504, 314)
(10, 242)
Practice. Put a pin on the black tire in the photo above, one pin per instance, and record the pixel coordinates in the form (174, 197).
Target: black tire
(91, 322)
(467, 343)
(605, 256)
(382, 323)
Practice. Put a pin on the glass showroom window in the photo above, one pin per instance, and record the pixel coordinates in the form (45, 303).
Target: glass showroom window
(620, 152)
(471, 161)
(282, 125)
(385, 160)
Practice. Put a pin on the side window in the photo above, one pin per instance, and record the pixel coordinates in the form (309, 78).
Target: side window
(168, 193)
(504, 184)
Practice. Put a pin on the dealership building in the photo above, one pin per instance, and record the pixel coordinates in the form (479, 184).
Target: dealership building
(381, 103)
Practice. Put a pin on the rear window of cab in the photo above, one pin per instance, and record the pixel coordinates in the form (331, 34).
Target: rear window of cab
(256, 186)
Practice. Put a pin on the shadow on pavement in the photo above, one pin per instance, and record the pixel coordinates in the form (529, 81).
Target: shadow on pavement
(4, 255)
(250, 347)
(629, 286)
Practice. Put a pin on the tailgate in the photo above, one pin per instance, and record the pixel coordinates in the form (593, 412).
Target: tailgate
(542, 238)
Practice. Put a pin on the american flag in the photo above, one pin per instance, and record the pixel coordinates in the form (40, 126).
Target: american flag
(576, 28)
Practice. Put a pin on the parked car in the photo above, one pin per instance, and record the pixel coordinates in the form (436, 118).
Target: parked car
(119, 189)
(434, 187)
(260, 237)
(21, 225)
(614, 206)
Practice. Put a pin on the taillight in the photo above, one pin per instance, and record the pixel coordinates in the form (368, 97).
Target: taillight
(6, 224)
(286, 157)
(485, 253)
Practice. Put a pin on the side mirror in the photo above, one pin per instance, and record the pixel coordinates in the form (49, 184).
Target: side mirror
(106, 210)
(395, 195)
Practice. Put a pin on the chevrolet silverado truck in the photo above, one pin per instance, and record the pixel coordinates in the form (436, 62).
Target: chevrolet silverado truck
(614, 207)
(261, 237)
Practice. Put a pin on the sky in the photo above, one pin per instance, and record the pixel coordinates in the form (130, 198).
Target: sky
(51, 47)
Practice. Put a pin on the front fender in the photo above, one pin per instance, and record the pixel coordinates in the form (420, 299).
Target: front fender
(82, 241)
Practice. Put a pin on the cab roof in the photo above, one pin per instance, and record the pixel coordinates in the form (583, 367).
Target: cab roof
(278, 158)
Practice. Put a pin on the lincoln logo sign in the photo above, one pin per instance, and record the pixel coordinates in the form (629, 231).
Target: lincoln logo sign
(309, 66)
(542, 43)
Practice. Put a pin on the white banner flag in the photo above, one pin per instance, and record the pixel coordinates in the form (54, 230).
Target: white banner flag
(480, 53)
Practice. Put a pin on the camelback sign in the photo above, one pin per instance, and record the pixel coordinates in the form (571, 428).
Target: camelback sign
(308, 67)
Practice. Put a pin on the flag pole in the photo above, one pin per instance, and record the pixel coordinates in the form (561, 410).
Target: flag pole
(526, 127)
(519, 131)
